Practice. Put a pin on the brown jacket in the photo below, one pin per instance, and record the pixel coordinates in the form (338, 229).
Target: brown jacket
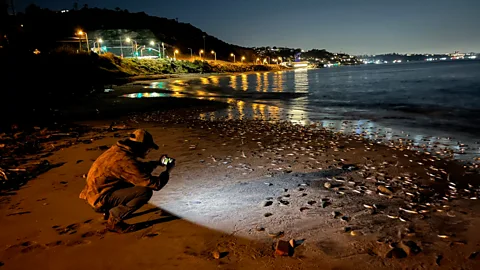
(115, 168)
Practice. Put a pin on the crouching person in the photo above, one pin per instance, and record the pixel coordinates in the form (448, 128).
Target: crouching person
(118, 183)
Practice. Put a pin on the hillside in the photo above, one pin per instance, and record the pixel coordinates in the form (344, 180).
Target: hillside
(42, 28)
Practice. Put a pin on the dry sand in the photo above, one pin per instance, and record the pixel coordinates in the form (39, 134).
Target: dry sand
(229, 175)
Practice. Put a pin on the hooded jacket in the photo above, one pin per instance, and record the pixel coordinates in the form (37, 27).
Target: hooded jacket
(116, 168)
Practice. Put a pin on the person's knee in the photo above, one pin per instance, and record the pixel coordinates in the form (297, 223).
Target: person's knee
(145, 193)
(148, 193)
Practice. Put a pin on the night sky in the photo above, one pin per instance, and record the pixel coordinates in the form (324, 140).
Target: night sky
(353, 26)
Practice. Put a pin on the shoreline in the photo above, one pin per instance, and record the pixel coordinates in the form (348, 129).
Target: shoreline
(218, 194)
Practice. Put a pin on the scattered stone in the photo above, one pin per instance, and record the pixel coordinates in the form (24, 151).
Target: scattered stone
(312, 202)
(216, 255)
(260, 229)
(283, 202)
(267, 203)
(80, 160)
(409, 247)
(267, 214)
(327, 185)
(324, 204)
(292, 243)
(385, 190)
(345, 218)
(336, 214)
(277, 234)
(303, 209)
(347, 229)
(473, 255)
(397, 253)
(438, 259)
(282, 248)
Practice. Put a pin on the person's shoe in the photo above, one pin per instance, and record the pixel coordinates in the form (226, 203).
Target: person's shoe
(119, 226)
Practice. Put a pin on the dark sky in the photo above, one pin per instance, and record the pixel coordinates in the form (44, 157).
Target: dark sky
(353, 26)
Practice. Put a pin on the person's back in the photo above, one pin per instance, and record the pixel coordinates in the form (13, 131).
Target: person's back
(106, 173)
(118, 184)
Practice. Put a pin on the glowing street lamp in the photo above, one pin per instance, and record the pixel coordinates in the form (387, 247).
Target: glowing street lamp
(233, 55)
(280, 59)
(200, 53)
(134, 49)
(80, 33)
(215, 54)
(243, 58)
(174, 54)
(258, 60)
(153, 44)
(98, 42)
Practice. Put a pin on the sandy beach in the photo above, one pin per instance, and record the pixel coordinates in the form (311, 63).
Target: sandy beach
(239, 186)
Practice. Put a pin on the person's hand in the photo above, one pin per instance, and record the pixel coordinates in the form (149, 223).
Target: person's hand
(170, 166)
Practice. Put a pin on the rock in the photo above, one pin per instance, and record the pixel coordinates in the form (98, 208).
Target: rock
(473, 255)
(336, 214)
(311, 202)
(267, 203)
(216, 255)
(438, 259)
(277, 234)
(327, 185)
(384, 190)
(282, 248)
(396, 253)
(267, 214)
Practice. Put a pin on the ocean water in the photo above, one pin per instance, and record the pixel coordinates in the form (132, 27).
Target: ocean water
(436, 104)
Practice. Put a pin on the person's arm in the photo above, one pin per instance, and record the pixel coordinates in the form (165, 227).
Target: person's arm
(149, 166)
(133, 173)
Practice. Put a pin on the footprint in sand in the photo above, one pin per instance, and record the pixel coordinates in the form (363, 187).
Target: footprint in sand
(26, 247)
(70, 229)
(150, 235)
(55, 243)
(77, 243)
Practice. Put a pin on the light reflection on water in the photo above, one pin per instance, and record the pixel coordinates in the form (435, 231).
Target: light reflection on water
(224, 88)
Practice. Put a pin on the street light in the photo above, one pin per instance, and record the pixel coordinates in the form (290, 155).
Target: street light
(98, 42)
(174, 54)
(191, 53)
(233, 55)
(258, 60)
(214, 53)
(153, 44)
(81, 33)
(280, 58)
(200, 53)
(243, 58)
(134, 49)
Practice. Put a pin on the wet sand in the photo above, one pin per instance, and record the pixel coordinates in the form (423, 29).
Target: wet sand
(241, 185)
